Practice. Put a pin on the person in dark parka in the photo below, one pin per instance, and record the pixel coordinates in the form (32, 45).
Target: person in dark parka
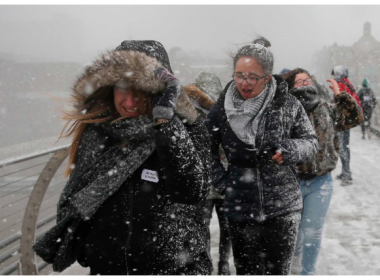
(203, 93)
(368, 101)
(264, 132)
(139, 166)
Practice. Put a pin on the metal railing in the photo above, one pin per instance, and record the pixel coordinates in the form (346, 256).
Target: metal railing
(31, 180)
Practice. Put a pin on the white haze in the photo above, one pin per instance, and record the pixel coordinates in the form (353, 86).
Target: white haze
(78, 34)
(295, 32)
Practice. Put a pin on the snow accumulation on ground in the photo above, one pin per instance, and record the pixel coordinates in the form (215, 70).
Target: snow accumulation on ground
(351, 236)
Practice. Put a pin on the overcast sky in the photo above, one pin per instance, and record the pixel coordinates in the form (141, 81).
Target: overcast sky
(73, 33)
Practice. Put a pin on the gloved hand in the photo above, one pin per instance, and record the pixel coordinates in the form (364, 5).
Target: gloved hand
(164, 104)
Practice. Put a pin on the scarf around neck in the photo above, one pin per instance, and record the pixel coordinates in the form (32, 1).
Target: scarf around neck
(307, 95)
(244, 116)
(115, 165)
(90, 186)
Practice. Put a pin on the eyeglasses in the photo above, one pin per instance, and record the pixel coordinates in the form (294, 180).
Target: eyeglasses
(303, 82)
(250, 80)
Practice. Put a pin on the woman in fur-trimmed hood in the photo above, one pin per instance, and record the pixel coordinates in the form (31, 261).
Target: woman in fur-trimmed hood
(139, 166)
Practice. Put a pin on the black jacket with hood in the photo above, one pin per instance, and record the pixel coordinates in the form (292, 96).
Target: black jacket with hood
(256, 188)
(155, 226)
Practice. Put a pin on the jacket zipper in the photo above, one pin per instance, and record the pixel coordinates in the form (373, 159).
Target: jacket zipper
(261, 191)
(261, 217)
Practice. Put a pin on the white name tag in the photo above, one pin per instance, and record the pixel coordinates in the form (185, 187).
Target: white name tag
(149, 175)
(367, 98)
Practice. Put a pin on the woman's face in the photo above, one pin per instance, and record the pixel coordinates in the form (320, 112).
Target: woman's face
(248, 67)
(126, 104)
(301, 80)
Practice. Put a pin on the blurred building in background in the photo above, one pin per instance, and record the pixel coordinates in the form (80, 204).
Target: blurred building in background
(362, 60)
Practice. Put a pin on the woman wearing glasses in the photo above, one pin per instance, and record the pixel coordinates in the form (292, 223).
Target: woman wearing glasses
(264, 132)
(315, 174)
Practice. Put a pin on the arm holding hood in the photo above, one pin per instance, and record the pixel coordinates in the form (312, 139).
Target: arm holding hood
(186, 159)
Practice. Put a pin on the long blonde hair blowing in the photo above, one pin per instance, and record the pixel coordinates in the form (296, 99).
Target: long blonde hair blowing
(97, 108)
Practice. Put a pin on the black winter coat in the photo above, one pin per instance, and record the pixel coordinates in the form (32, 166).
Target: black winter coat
(165, 232)
(159, 223)
(255, 187)
(367, 99)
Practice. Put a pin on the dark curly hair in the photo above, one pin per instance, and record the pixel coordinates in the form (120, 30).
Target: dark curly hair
(291, 76)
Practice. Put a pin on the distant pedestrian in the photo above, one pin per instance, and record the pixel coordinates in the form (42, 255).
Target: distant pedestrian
(368, 101)
(340, 74)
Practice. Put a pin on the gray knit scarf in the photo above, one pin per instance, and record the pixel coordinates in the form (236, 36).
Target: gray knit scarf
(244, 116)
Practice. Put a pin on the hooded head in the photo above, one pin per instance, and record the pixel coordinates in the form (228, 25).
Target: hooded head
(284, 71)
(150, 48)
(204, 92)
(365, 83)
(130, 65)
(340, 72)
(209, 84)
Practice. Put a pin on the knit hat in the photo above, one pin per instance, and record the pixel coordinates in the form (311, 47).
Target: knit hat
(365, 83)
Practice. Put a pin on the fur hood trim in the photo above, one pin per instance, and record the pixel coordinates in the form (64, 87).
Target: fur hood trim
(127, 69)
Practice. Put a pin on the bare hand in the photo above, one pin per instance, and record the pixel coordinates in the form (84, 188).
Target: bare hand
(334, 86)
(278, 157)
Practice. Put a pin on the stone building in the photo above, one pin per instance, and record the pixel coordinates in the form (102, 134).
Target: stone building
(362, 60)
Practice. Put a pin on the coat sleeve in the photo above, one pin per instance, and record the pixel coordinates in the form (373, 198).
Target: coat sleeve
(360, 95)
(346, 112)
(185, 159)
(303, 143)
(374, 101)
(212, 123)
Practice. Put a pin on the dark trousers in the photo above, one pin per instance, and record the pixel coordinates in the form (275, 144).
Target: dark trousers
(224, 239)
(367, 121)
(264, 248)
(344, 147)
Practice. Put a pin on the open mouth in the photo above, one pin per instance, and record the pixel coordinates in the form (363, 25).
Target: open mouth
(130, 111)
(246, 92)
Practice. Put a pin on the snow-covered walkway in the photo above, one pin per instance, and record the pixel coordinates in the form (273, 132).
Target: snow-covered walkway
(351, 237)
